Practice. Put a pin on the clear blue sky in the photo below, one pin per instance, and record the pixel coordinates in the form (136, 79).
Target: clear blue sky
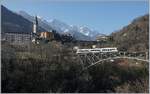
(103, 16)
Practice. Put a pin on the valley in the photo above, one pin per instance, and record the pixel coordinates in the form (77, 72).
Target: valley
(39, 56)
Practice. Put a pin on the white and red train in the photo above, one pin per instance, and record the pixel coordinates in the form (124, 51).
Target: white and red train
(97, 50)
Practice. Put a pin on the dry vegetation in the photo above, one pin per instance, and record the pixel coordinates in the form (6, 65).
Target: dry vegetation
(135, 36)
(52, 68)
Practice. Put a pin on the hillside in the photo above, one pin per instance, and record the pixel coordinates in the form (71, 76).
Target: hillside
(47, 69)
(12, 22)
(133, 37)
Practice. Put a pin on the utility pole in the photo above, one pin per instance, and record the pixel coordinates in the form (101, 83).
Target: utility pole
(123, 54)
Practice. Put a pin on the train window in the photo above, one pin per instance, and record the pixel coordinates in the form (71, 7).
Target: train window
(104, 50)
(95, 50)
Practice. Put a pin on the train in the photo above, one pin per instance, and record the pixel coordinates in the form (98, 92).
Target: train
(97, 50)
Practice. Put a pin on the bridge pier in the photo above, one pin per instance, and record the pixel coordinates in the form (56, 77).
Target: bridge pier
(147, 55)
(80, 60)
(124, 54)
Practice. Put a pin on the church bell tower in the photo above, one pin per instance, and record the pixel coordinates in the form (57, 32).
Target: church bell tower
(35, 30)
(35, 25)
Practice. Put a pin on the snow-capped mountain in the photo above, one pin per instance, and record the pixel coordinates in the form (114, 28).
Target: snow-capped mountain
(58, 25)
(88, 32)
(85, 30)
(72, 29)
(79, 32)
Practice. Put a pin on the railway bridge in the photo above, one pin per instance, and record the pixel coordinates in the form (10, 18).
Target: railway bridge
(91, 58)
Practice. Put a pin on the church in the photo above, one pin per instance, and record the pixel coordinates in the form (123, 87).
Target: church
(20, 38)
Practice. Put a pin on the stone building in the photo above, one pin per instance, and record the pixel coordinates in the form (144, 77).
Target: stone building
(17, 37)
(47, 35)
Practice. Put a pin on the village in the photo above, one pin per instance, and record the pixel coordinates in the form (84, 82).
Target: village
(38, 37)
(74, 47)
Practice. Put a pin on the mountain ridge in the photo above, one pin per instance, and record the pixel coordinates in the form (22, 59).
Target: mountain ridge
(62, 28)
(12, 22)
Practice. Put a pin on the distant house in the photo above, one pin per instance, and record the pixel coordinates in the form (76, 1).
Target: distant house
(102, 38)
(47, 35)
(17, 37)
